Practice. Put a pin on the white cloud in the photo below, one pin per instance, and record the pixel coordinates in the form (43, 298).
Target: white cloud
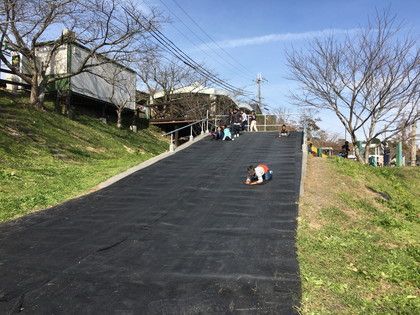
(271, 38)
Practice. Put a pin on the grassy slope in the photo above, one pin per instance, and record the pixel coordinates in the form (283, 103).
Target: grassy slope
(358, 239)
(46, 158)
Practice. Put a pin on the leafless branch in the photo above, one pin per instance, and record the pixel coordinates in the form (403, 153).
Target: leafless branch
(108, 29)
(370, 80)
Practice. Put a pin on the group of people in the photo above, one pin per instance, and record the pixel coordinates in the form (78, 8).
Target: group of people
(237, 121)
(222, 132)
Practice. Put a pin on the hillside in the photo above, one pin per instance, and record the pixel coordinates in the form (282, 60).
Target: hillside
(46, 158)
(358, 239)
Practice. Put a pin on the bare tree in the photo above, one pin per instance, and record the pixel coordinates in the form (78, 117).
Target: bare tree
(308, 119)
(173, 75)
(284, 116)
(323, 138)
(107, 28)
(122, 92)
(167, 77)
(369, 79)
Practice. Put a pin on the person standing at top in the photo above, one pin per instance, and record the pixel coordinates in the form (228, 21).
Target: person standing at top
(253, 122)
(237, 120)
(244, 120)
(229, 120)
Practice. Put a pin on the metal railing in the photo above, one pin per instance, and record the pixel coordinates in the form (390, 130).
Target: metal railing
(204, 126)
(304, 162)
(265, 122)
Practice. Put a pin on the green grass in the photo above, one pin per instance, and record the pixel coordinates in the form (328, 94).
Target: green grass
(46, 158)
(363, 255)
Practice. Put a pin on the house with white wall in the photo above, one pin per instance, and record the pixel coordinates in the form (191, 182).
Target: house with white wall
(108, 81)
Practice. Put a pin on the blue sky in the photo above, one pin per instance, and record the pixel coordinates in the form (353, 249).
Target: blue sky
(256, 34)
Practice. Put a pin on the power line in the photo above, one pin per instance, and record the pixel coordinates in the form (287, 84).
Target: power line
(168, 45)
(187, 60)
(209, 37)
(172, 48)
(240, 72)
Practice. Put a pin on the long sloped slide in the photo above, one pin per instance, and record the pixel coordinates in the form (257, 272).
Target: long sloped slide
(183, 236)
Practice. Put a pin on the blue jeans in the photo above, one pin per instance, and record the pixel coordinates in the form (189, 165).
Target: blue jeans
(268, 176)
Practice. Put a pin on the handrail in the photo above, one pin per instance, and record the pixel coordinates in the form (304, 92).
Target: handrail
(178, 129)
(263, 125)
(201, 121)
(208, 121)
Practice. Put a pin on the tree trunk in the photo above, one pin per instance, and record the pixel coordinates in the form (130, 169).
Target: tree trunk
(57, 105)
(34, 95)
(65, 104)
(37, 93)
(136, 115)
(367, 151)
(354, 141)
(149, 108)
(37, 97)
(119, 118)
(359, 157)
(71, 113)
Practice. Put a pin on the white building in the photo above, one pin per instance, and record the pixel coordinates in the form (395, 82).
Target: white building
(198, 89)
(109, 82)
(212, 93)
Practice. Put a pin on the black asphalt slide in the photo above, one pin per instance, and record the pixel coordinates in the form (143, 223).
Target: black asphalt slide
(183, 236)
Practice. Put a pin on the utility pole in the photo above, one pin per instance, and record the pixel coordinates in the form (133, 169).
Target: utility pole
(259, 81)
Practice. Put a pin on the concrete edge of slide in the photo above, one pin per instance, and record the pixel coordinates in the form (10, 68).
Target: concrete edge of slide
(109, 181)
(303, 168)
(145, 164)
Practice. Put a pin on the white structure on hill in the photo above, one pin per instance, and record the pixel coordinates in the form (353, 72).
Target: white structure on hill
(215, 95)
(109, 82)
(197, 89)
